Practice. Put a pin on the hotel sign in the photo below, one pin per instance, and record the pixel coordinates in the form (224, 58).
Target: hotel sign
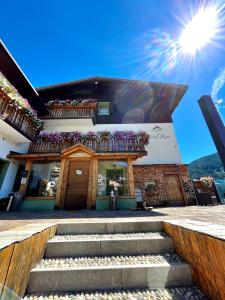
(158, 134)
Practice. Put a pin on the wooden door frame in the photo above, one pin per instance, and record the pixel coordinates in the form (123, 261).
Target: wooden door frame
(76, 152)
(65, 172)
(131, 186)
(23, 186)
(181, 185)
(130, 175)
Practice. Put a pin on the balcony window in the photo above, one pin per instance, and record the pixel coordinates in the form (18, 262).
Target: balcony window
(112, 175)
(103, 108)
(43, 179)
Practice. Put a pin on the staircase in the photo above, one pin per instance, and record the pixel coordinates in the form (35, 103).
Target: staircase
(116, 260)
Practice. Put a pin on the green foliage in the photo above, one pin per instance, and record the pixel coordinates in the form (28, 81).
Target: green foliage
(209, 165)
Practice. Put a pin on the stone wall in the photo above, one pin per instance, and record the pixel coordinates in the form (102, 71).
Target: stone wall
(158, 196)
(187, 185)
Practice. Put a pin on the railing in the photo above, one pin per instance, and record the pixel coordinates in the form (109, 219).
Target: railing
(71, 111)
(98, 146)
(17, 118)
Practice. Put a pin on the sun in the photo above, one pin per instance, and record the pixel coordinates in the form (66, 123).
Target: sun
(200, 30)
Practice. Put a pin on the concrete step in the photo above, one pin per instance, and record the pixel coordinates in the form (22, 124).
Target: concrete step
(181, 293)
(109, 273)
(112, 227)
(109, 244)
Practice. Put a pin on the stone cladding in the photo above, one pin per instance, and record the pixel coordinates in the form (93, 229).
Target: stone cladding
(158, 196)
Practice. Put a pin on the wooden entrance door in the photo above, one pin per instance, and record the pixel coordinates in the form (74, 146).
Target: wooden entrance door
(174, 190)
(77, 185)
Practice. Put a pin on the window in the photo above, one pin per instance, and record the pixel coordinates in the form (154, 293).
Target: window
(43, 179)
(150, 186)
(103, 108)
(112, 175)
(3, 169)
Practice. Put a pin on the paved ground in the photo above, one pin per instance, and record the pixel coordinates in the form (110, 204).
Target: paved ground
(209, 214)
(182, 293)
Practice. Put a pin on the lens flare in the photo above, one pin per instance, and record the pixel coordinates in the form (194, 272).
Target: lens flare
(200, 30)
(184, 45)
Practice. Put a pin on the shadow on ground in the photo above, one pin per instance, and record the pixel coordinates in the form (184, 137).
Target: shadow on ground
(62, 214)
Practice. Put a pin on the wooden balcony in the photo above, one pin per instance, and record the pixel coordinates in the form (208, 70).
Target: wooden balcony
(71, 111)
(18, 118)
(108, 146)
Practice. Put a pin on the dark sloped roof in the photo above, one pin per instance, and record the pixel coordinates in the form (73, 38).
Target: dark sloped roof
(111, 79)
(164, 96)
(167, 94)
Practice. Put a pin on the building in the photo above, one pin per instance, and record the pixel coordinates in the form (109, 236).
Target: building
(89, 137)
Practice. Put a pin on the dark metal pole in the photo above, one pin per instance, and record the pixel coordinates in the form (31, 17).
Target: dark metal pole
(215, 124)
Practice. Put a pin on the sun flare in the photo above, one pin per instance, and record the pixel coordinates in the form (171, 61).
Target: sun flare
(200, 30)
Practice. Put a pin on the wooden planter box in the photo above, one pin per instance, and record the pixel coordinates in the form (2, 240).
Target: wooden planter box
(59, 111)
(16, 117)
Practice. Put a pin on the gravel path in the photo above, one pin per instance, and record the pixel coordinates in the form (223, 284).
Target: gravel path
(181, 293)
(108, 261)
(119, 236)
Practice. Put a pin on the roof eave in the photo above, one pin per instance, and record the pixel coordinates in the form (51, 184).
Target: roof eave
(96, 78)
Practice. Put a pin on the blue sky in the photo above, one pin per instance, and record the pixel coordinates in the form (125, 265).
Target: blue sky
(55, 41)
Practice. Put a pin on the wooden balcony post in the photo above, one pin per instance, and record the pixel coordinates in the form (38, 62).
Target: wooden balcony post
(131, 177)
(94, 180)
(60, 182)
(23, 186)
(61, 189)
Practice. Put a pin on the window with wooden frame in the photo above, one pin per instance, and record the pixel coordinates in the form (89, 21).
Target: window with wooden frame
(43, 179)
(103, 108)
(112, 175)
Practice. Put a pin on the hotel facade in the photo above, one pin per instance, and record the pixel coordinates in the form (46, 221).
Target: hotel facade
(68, 145)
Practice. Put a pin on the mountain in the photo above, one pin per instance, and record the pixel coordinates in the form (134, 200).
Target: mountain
(209, 165)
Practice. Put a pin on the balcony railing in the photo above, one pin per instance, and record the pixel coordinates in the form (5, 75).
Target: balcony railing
(71, 111)
(19, 118)
(97, 146)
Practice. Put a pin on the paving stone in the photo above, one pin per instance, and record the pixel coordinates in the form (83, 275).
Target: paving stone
(116, 236)
(206, 214)
(109, 261)
(181, 293)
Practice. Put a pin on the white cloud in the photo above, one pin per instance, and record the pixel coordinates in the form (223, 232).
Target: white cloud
(218, 83)
(219, 103)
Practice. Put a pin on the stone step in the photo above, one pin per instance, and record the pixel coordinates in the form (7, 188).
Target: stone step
(109, 244)
(111, 227)
(178, 293)
(109, 273)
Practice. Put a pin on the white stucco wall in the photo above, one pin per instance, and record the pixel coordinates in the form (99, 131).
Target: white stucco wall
(7, 145)
(162, 148)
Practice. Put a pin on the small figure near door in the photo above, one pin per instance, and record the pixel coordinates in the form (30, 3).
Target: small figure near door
(114, 193)
(139, 199)
(112, 200)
